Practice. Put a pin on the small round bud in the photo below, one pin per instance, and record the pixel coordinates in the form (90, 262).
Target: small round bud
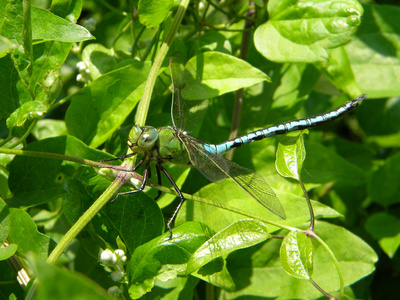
(117, 275)
(81, 66)
(114, 291)
(108, 258)
(119, 253)
(79, 78)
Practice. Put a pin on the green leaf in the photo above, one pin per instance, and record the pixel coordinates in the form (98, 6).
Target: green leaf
(118, 220)
(98, 59)
(45, 80)
(338, 70)
(24, 233)
(257, 267)
(229, 193)
(386, 229)
(17, 93)
(100, 108)
(6, 46)
(27, 112)
(49, 27)
(4, 221)
(11, 16)
(164, 258)
(181, 287)
(138, 214)
(47, 128)
(153, 12)
(293, 89)
(39, 180)
(70, 10)
(242, 234)
(325, 165)
(233, 73)
(383, 186)
(303, 31)
(376, 68)
(215, 41)
(290, 155)
(216, 273)
(297, 255)
(4, 189)
(380, 120)
(60, 283)
(8, 251)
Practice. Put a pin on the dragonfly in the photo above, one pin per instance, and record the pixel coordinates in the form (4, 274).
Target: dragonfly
(174, 144)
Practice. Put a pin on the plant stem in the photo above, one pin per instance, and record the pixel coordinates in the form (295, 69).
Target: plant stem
(27, 41)
(239, 94)
(144, 104)
(6, 140)
(136, 42)
(310, 209)
(81, 223)
(333, 257)
(87, 216)
(78, 160)
(27, 132)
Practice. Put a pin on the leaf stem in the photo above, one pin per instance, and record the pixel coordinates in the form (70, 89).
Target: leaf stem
(6, 140)
(136, 42)
(333, 257)
(27, 132)
(320, 289)
(310, 208)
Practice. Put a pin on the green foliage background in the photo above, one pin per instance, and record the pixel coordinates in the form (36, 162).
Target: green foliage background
(73, 74)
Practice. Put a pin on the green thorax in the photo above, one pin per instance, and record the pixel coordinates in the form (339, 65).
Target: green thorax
(160, 145)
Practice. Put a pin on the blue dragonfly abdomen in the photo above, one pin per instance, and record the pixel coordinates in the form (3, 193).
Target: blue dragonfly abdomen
(284, 127)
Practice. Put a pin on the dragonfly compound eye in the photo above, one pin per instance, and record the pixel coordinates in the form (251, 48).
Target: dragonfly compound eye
(148, 138)
(134, 135)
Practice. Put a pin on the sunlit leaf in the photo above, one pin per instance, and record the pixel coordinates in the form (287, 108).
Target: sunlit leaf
(101, 107)
(49, 27)
(153, 12)
(376, 68)
(302, 31)
(242, 234)
(297, 255)
(290, 156)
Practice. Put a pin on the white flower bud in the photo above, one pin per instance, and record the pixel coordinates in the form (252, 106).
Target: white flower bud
(108, 258)
(119, 253)
(81, 66)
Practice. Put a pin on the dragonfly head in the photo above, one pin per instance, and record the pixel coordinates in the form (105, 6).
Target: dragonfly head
(142, 139)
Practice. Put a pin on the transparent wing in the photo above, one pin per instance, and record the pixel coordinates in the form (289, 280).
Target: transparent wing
(216, 168)
(189, 101)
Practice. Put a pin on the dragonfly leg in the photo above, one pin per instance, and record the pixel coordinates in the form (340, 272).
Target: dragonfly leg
(180, 197)
(118, 158)
(144, 158)
(145, 177)
(159, 180)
